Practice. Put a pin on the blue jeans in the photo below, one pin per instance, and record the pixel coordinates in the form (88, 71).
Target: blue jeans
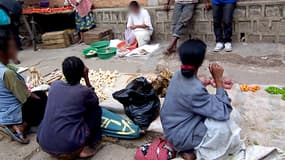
(223, 21)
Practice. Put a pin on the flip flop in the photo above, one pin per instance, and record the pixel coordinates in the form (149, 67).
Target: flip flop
(13, 135)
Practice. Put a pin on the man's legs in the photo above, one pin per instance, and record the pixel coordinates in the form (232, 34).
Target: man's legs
(218, 17)
(184, 16)
(228, 11)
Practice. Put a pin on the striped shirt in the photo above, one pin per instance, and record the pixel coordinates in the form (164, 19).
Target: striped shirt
(186, 1)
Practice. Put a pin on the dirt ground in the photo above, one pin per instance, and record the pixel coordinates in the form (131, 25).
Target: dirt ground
(248, 63)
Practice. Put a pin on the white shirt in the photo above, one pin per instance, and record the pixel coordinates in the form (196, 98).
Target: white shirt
(141, 18)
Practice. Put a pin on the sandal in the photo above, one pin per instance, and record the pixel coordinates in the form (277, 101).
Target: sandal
(14, 135)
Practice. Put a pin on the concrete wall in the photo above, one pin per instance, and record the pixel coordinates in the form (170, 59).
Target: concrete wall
(115, 3)
(254, 21)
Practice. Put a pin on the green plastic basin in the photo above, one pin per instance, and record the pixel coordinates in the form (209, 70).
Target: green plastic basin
(86, 51)
(106, 53)
(100, 44)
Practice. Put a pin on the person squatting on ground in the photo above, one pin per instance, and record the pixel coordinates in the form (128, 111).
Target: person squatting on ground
(84, 18)
(71, 127)
(140, 22)
(19, 108)
(223, 11)
(195, 122)
(182, 14)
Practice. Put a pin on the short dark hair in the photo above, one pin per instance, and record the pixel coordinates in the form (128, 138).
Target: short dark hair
(192, 52)
(5, 36)
(134, 4)
(73, 70)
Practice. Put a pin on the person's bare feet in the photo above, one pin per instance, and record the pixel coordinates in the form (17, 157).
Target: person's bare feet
(20, 130)
(187, 156)
(87, 152)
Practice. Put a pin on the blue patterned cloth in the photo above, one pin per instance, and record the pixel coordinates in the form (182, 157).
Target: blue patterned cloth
(10, 106)
(85, 23)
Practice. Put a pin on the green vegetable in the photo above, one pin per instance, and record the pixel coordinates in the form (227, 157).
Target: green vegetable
(283, 96)
(274, 90)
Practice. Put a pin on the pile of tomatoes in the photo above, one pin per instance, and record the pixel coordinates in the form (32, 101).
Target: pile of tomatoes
(247, 88)
(46, 10)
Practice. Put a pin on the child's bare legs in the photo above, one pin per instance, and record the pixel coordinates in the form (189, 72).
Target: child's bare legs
(81, 37)
(188, 156)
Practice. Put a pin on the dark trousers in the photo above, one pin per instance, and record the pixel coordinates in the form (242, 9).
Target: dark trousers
(223, 18)
(34, 109)
(93, 118)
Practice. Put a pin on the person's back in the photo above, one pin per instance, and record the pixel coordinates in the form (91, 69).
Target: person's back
(194, 121)
(65, 111)
(72, 122)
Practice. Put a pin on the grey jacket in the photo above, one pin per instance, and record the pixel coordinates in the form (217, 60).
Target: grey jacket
(186, 106)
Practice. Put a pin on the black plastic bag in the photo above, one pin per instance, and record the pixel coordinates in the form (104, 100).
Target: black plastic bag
(140, 102)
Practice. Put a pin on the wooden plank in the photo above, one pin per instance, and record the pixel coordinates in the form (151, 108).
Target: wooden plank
(97, 33)
(89, 40)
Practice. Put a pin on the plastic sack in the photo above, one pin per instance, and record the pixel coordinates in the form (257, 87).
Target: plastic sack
(4, 18)
(141, 104)
(129, 37)
(116, 126)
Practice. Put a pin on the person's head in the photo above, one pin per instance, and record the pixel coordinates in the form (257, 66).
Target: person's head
(134, 7)
(8, 48)
(192, 54)
(73, 70)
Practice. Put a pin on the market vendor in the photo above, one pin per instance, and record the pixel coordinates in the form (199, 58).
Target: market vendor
(19, 108)
(139, 22)
(71, 127)
(196, 123)
(84, 18)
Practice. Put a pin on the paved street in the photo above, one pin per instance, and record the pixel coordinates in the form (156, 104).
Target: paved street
(249, 63)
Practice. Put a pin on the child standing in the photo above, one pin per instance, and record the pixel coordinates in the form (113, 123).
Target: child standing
(195, 122)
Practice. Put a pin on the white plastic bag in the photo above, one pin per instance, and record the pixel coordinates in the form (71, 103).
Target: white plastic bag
(129, 37)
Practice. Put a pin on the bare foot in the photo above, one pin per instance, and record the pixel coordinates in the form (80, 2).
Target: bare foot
(188, 156)
(87, 152)
(19, 129)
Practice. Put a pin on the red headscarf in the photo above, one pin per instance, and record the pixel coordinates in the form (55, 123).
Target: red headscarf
(83, 8)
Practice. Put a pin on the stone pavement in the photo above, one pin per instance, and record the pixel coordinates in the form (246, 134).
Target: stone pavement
(249, 63)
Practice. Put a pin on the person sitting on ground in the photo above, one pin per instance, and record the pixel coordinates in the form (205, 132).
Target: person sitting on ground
(71, 124)
(140, 22)
(195, 122)
(19, 108)
(182, 15)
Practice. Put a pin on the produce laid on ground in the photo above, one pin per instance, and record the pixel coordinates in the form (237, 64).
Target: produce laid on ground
(47, 10)
(160, 81)
(36, 78)
(247, 88)
(276, 91)
(100, 80)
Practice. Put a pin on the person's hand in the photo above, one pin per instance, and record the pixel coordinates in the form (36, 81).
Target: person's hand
(86, 72)
(208, 6)
(34, 96)
(133, 27)
(217, 72)
(167, 7)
